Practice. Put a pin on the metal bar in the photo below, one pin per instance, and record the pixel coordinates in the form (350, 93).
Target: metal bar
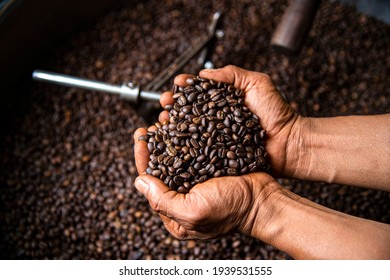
(127, 91)
(65, 80)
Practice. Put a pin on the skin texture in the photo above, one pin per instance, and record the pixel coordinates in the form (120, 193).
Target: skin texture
(346, 150)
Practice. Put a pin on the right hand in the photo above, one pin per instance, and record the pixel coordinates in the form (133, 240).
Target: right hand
(263, 99)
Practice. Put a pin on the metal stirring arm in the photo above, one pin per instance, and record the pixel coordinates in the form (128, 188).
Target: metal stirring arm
(127, 91)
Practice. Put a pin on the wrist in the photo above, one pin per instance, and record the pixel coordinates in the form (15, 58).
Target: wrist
(260, 220)
(298, 149)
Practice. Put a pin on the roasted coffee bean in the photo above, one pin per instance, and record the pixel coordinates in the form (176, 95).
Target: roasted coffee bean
(190, 82)
(192, 97)
(171, 151)
(182, 189)
(151, 147)
(179, 180)
(194, 152)
(198, 165)
(217, 173)
(231, 155)
(232, 172)
(186, 175)
(233, 163)
(177, 163)
(201, 158)
(187, 157)
(193, 142)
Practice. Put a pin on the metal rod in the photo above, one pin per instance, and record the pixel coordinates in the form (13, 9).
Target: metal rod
(65, 80)
(127, 91)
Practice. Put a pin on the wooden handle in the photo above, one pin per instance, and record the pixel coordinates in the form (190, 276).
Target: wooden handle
(294, 26)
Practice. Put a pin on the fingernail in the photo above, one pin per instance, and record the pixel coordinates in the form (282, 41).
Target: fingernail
(141, 185)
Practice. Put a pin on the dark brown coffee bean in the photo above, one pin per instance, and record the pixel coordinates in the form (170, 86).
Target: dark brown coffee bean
(179, 180)
(187, 157)
(177, 163)
(193, 128)
(198, 165)
(190, 81)
(233, 163)
(150, 147)
(186, 109)
(231, 155)
(217, 173)
(192, 97)
(171, 151)
(232, 172)
(168, 160)
(182, 189)
(202, 179)
(192, 170)
(182, 100)
(182, 127)
(214, 159)
(187, 175)
(201, 158)
(202, 171)
(195, 143)
(199, 88)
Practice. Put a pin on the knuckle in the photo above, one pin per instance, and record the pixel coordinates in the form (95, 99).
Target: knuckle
(231, 67)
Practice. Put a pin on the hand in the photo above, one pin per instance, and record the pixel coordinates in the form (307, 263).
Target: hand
(211, 209)
(261, 96)
(221, 205)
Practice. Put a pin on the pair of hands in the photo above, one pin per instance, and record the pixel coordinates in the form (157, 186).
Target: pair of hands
(226, 204)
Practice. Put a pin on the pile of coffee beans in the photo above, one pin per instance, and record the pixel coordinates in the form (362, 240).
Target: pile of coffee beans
(210, 133)
(67, 165)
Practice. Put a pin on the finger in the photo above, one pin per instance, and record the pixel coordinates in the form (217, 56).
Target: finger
(152, 128)
(240, 78)
(179, 231)
(139, 132)
(163, 116)
(161, 198)
(180, 80)
(174, 228)
(166, 99)
(141, 152)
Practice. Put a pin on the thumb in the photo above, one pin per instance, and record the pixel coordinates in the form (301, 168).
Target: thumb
(161, 198)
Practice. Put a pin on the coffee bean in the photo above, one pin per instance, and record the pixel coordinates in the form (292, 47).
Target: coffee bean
(201, 158)
(171, 151)
(233, 163)
(190, 81)
(232, 172)
(177, 163)
(231, 155)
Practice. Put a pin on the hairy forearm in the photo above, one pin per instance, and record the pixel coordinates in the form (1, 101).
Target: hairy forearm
(306, 230)
(353, 150)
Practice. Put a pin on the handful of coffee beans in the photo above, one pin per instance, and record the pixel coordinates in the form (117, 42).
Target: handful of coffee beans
(210, 133)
